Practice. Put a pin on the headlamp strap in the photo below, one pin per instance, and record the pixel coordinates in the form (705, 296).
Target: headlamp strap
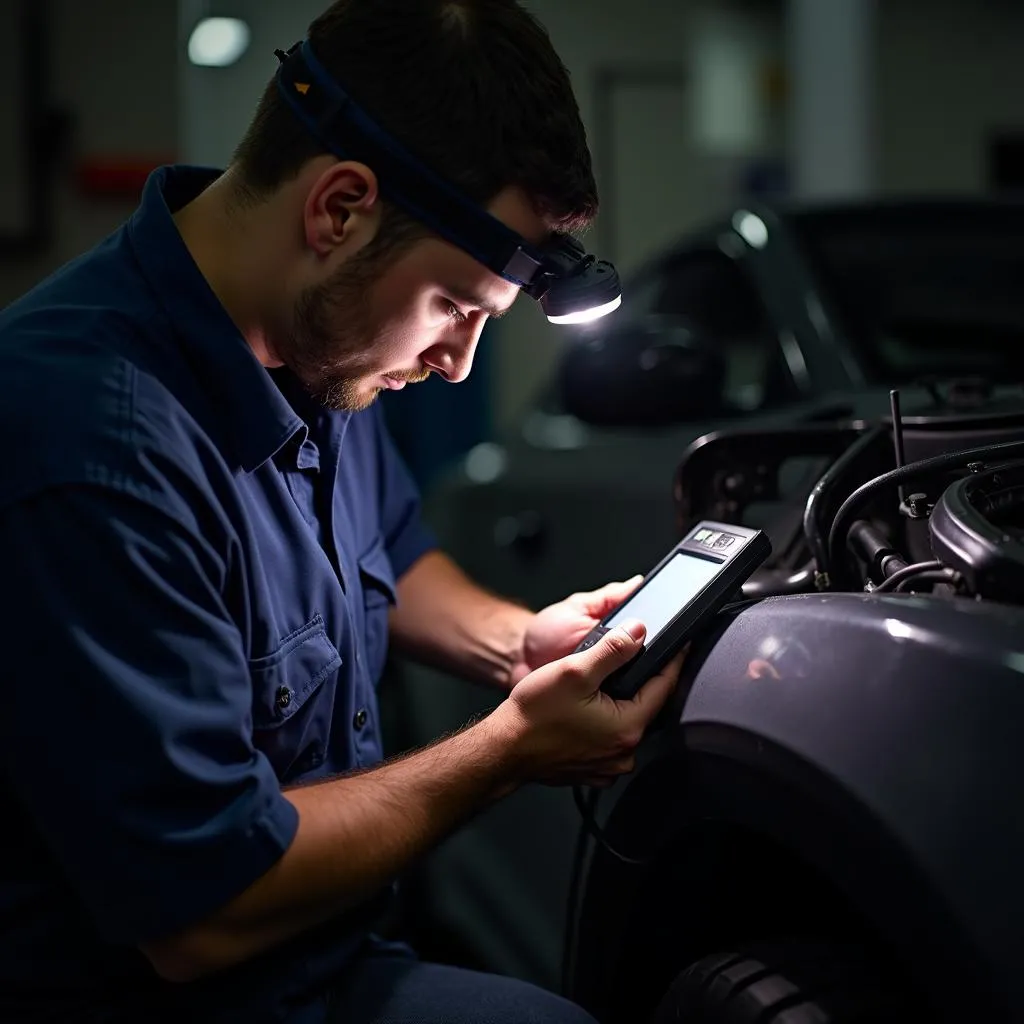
(342, 127)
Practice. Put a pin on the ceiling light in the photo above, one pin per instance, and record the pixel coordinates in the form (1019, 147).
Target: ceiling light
(218, 42)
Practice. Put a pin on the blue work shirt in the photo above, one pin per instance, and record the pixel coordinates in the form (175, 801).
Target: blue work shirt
(198, 563)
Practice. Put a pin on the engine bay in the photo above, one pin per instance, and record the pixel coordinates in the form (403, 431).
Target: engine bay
(927, 500)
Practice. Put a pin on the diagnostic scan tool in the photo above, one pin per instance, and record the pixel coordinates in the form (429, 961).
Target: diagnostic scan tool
(679, 596)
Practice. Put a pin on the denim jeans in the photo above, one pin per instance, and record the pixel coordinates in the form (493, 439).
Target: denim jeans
(384, 987)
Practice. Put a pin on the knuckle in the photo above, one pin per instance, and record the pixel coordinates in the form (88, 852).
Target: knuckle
(619, 749)
(631, 739)
(574, 673)
(616, 642)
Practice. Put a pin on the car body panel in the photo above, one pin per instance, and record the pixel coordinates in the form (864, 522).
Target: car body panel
(877, 740)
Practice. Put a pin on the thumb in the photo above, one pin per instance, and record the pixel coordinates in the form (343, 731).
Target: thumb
(614, 649)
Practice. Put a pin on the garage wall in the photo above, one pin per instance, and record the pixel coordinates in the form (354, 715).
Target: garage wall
(949, 72)
(122, 98)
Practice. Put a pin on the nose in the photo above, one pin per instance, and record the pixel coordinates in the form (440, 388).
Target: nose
(452, 358)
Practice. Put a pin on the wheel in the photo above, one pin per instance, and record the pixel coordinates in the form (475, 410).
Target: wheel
(785, 982)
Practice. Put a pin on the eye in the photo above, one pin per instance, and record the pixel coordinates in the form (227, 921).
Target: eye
(455, 314)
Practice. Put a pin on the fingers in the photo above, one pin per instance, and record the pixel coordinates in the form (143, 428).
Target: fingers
(599, 781)
(604, 773)
(598, 603)
(608, 772)
(651, 697)
(622, 765)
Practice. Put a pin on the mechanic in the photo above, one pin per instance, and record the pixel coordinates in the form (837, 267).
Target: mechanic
(207, 537)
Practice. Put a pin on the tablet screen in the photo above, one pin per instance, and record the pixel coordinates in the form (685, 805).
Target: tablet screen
(658, 601)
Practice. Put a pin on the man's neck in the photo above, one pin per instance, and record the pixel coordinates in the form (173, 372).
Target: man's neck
(234, 250)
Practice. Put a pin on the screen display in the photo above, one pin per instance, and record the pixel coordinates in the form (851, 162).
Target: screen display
(658, 601)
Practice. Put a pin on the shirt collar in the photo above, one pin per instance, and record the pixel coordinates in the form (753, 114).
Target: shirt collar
(255, 415)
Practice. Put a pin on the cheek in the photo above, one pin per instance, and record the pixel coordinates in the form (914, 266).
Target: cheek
(409, 332)
(393, 346)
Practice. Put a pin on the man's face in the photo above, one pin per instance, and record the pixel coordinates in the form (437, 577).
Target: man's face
(378, 324)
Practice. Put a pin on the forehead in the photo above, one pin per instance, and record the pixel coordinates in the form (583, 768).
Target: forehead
(437, 262)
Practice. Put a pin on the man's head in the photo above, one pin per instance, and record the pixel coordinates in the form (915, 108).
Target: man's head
(475, 91)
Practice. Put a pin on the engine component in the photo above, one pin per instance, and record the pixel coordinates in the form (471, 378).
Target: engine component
(971, 531)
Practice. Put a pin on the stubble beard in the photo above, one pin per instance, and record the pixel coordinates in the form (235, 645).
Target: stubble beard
(331, 339)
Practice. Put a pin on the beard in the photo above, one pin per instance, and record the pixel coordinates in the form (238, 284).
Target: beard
(332, 341)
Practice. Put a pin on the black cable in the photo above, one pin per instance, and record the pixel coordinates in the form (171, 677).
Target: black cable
(572, 908)
(812, 527)
(848, 510)
(589, 829)
(902, 575)
(586, 804)
(931, 576)
(590, 822)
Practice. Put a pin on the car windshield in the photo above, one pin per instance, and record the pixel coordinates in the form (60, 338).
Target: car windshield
(925, 290)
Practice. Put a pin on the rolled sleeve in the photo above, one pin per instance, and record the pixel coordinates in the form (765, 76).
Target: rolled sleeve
(127, 727)
(406, 536)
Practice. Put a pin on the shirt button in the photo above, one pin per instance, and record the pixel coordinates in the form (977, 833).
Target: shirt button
(360, 718)
(283, 697)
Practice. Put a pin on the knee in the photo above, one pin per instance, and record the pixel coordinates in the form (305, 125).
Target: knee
(528, 1004)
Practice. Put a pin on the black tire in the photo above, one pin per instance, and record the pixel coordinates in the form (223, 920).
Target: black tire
(785, 982)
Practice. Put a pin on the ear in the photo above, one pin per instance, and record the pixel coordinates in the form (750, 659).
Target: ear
(342, 208)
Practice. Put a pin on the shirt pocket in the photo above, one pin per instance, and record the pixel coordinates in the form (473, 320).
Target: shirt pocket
(377, 579)
(291, 711)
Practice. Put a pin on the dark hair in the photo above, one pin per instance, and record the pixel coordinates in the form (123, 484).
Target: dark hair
(473, 88)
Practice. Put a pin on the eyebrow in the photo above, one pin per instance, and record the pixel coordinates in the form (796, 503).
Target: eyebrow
(479, 302)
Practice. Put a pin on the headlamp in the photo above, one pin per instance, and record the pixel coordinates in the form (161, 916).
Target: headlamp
(571, 285)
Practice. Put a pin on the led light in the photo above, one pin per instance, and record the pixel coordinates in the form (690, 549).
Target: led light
(751, 228)
(586, 316)
(218, 42)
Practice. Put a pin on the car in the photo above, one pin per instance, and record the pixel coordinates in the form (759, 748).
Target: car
(772, 318)
(822, 830)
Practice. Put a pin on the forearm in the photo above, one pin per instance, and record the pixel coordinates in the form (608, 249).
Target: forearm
(355, 835)
(446, 620)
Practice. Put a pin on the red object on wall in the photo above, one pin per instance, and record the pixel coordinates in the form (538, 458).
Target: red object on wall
(116, 177)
